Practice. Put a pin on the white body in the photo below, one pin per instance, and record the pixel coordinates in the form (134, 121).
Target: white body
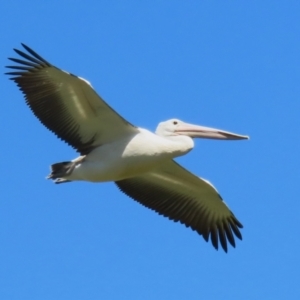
(130, 156)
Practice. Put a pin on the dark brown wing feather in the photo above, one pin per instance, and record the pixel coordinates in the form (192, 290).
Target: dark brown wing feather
(66, 104)
(177, 194)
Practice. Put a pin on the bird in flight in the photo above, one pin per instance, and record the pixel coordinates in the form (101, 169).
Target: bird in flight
(111, 149)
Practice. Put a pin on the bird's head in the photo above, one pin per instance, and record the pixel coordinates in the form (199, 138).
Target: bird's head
(175, 127)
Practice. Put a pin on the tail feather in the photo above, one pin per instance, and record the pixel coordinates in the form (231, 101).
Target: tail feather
(61, 180)
(61, 170)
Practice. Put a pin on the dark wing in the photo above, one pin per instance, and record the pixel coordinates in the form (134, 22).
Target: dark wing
(174, 192)
(67, 104)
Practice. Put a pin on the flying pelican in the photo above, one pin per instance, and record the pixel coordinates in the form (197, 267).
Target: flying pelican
(111, 149)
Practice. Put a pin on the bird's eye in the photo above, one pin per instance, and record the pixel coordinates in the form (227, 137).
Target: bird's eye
(175, 122)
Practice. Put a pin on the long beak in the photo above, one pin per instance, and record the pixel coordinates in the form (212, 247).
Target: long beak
(196, 131)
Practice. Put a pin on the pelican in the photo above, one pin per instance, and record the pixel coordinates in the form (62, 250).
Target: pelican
(111, 149)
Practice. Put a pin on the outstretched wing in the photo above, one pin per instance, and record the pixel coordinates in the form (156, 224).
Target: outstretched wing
(174, 192)
(67, 104)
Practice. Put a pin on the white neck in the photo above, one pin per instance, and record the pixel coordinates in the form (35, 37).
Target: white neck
(180, 144)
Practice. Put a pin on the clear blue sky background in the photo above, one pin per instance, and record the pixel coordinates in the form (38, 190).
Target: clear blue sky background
(229, 64)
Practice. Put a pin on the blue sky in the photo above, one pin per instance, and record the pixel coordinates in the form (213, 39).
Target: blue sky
(232, 65)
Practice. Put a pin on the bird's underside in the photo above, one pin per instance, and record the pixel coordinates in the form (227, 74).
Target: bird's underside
(69, 107)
